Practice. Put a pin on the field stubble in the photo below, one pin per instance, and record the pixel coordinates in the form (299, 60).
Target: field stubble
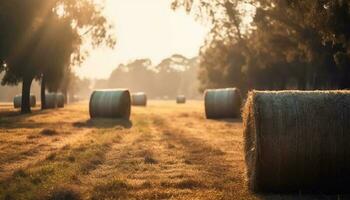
(166, 151)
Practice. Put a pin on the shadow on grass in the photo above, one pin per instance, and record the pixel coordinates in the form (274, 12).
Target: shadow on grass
(13, 119)
(228, 120)
(104, 123)
(303, 196)
(17, 113)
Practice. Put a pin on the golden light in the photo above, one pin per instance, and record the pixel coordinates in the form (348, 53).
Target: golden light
(144, 29)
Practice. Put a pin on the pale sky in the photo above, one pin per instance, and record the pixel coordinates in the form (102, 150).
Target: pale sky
(144, 29)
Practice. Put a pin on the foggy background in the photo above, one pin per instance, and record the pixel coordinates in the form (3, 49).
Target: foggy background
(171, 77)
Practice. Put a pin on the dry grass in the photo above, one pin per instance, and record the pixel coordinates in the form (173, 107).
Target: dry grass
(65, 192)
(49, 132)
(169, 151)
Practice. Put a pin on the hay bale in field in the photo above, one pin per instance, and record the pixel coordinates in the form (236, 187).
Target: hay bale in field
(60, 100)
(51, 100)
(297, 141)
(222, 103)
(139, 99)
(110, 104)
(17, 101)
(180, 99)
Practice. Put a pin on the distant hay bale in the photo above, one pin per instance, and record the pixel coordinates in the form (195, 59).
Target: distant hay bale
(139, 99)
(180, 99)
(110, 104)
(51, 100)
(17, 101)
(60, 100)
(297, 140)
(222, 103)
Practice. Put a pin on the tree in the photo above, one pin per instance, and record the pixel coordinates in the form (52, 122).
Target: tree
(36, 20)
(16, 41)
(58, 41)
(75, 88)
(172, 76)
(288, 44)
(137, 75)
(223, 55)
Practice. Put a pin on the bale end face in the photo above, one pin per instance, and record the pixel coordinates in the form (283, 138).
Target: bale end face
(250, 147)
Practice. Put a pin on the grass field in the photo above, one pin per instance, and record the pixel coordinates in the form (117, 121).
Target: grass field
(166, 151)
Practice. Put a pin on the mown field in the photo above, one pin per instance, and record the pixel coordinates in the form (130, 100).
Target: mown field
(166, 151)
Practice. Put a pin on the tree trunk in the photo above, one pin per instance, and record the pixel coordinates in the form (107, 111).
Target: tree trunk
(65, 94)
(42, 93)
(25, 107)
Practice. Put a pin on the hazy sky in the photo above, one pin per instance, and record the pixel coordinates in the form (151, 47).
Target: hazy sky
(144, 29)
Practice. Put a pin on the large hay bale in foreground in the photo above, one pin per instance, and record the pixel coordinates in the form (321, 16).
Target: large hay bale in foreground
(17, 101)
(181, 99)
(51, 100)
(139, 99)
(60, 100)
(297, 141)
(110, 104)
(222, 103)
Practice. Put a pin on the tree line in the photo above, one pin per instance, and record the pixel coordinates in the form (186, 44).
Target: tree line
(42, 39)
(171, 77)
(274, 44)
(175, 75)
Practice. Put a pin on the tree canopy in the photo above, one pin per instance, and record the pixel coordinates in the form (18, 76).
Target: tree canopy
(172, 76)
(274, 44)
(43, 38)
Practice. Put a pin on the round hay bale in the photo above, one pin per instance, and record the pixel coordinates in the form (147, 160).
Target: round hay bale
(181, 99)
(60, 100)
(51, 100)
(139, 99)
(297, 141)
(17, 101)
(110, 104)
(222, 103)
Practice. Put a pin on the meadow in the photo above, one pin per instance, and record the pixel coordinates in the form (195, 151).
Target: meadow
(166, 151)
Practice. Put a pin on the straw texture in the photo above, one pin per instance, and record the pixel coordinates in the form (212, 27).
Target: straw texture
(297, 141)
(110, 104)
(222, 103)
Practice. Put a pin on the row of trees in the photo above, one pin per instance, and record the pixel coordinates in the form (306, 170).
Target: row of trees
(7, 92)
(78, 88)
(41, 39)
(274, 44)
(173, 76)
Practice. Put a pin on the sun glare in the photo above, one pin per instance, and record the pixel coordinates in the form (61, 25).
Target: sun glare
(144, 29)
(60, 10)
